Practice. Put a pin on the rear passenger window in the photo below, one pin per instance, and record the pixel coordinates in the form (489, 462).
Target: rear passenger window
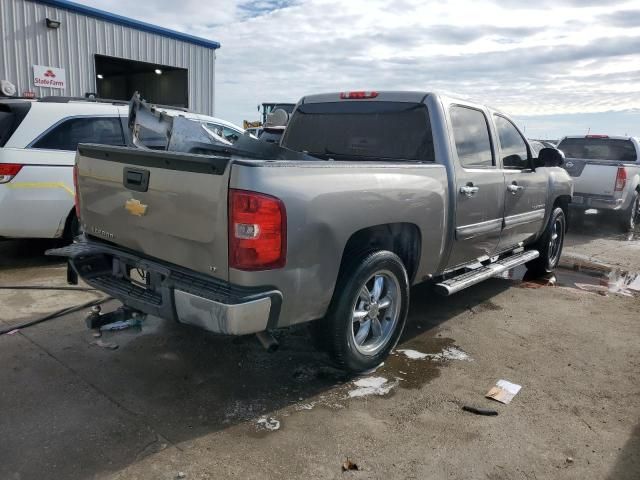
(471, 134)
(513, 147)
(67, 135)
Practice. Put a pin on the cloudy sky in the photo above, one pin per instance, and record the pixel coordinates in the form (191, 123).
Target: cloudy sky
(558, 66)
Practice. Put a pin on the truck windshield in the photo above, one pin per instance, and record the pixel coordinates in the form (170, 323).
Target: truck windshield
(599, 149)
(362, 130)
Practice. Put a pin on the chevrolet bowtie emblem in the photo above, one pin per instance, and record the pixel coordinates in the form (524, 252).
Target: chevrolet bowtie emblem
(134, 207)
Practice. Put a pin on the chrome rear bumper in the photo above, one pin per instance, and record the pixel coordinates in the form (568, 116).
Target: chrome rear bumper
(604, 202)
(243, 318)
(172, 292)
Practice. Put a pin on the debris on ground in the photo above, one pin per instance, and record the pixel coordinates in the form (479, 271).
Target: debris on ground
(305, 406)
(268, 423)
(349, 465)
(103, 344)
(181, 475)
(413, 354)
(13, 332)
(371, 386)
(569, 460)
(448, 353)
(122, 324)
(503, 392)
(480, 411)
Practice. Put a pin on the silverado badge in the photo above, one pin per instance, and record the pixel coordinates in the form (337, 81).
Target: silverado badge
(134, 207)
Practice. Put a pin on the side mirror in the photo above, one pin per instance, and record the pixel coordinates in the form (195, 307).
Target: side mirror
(549, 157)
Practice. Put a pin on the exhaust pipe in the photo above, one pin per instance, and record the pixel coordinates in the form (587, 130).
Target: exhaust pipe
(268, 341)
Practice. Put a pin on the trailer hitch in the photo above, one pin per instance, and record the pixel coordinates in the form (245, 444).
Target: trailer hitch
(96, 319)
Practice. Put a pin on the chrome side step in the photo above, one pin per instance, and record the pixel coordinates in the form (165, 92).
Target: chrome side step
(467, 279)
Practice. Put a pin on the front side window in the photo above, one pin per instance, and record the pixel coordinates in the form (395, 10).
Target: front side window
(69, 133)
(471, 134)
(513, 148)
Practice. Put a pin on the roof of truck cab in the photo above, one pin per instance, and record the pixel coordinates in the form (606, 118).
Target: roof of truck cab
(382, 96)
(397, 96)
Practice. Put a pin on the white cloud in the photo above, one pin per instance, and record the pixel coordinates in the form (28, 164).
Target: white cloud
(527, 58)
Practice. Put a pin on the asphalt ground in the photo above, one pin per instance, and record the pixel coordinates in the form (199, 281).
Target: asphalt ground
(174, 400)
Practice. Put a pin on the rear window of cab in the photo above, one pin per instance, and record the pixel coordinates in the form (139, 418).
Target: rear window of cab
(618, 150)
(362, 130)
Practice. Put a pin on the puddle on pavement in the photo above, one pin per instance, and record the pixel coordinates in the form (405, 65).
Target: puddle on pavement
(414, 373)
(582, 275)
(399, 371)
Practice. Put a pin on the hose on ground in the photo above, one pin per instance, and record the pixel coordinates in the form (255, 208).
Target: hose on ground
(46, 287)
(56, 314)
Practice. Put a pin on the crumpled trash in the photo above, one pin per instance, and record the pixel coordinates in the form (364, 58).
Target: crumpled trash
(268, 423)
(349, 465)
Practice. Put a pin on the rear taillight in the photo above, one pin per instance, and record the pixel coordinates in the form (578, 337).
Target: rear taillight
(621, 179)
(8, 171)
(357, 95)
(257, 231)
(76, 196)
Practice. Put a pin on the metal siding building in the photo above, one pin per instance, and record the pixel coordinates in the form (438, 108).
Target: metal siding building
(84, 34)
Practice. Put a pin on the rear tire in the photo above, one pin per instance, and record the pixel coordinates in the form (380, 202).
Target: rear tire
(629, 218)
(368, 311)
(550, 244)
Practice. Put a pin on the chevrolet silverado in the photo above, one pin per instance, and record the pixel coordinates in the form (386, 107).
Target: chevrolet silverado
(367, 194)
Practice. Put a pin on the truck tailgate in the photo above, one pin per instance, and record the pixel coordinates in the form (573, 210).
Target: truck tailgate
(591, 176)
(165, 205)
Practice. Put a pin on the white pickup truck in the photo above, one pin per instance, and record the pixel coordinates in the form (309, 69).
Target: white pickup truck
(606, 175)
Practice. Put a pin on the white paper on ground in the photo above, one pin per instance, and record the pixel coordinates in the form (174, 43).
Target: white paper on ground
(504, 391)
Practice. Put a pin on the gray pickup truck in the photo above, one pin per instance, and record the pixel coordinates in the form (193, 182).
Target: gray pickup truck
(378, 191)
(606, 175)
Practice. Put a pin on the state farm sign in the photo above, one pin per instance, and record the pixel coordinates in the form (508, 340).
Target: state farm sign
(49, 77)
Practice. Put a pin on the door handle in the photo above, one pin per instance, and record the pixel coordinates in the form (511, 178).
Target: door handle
(469, 190)
(514, 188)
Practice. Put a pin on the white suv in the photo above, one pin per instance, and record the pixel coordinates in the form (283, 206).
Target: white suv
(38, 140)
